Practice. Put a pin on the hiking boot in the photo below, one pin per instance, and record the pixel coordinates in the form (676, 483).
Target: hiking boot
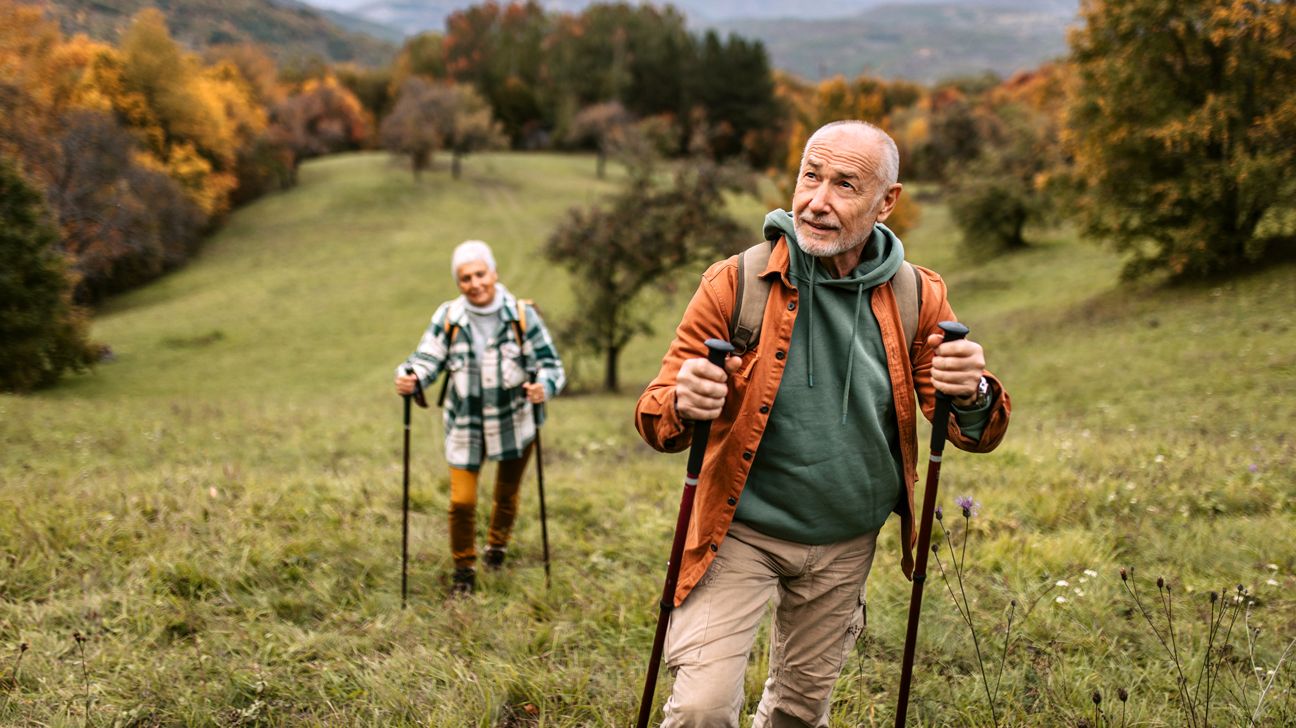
(464, 581)
(494, 557)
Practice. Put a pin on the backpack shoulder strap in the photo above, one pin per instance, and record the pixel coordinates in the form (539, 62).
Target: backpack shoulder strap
(520, 325)
(451, 331)
(908, 293)
(750, 298)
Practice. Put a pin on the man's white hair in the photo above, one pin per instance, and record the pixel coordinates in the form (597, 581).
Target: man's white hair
(469, 251)
(888, 172)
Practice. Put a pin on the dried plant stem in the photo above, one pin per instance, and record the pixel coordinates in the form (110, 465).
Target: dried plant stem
(85, 674)
(1132, 588)
(1269, 684)
(965, 611)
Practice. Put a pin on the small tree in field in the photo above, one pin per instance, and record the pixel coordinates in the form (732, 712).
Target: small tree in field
(634, 243)
(430, 116)
(600, 125)
(41, 333)
(408, 129)
(1183, 126)
(994, 196)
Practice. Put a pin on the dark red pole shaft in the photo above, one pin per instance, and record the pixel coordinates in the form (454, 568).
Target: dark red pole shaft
(717, 350)
(405, 509)
(536, 412)
(940, 421)
(417, 397)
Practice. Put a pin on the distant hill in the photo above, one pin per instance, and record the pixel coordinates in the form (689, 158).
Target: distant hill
(291, 32)
(920, 42)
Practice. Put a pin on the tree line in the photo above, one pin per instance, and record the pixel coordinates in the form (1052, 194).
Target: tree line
(1166, 133)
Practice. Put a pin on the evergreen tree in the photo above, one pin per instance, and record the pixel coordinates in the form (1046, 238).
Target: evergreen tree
(41, 333)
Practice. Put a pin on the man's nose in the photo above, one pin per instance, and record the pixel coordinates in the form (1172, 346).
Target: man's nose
(819, 202)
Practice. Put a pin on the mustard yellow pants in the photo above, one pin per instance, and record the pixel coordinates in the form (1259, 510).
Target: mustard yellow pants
(463, 508)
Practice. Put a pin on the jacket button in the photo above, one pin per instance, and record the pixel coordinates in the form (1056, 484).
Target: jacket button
(791, 305)
(764, 409)
(779, 355)
(747, 455)
(714, 547)
(732, 501)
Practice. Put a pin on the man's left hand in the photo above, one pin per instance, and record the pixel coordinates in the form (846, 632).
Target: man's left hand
(535, 393)
(957, 368)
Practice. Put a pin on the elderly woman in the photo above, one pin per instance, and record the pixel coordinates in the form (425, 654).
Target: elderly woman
(490, 343)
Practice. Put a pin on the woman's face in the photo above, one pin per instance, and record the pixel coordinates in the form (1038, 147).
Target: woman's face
(477, 282)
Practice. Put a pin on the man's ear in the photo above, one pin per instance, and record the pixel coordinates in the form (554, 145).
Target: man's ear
(889, 201)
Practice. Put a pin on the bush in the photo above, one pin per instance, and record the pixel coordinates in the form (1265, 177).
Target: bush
(41, 333)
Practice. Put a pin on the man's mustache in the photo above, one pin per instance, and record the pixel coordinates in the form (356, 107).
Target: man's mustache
(824, 222)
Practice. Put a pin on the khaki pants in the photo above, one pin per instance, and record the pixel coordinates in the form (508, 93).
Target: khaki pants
(463, 508)
(818, 596)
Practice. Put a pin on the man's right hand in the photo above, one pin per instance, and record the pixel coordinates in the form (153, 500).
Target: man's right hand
(700, 388)
(405, 384)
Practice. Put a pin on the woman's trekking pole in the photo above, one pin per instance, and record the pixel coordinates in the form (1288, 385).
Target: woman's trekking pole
(422, 402)
(940, 419)
(717, 350)
(537, 412)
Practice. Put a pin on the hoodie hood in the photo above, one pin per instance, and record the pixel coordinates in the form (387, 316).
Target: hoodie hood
(881, 258)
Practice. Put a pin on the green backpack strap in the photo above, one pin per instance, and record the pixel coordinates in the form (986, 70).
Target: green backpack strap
(753, 294)
(750, 298)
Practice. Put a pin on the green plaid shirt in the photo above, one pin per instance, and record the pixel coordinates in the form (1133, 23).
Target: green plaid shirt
(487, 415)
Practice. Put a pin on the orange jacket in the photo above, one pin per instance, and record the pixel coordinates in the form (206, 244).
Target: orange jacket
(736, 434)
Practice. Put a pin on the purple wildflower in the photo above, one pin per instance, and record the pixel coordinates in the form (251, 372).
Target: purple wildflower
(969, 506)
(1254, 468)
(940, 513)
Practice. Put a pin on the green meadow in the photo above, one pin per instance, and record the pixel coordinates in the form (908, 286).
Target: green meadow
(216, 511)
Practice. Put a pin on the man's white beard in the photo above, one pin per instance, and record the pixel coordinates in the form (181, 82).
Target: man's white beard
(821, 248)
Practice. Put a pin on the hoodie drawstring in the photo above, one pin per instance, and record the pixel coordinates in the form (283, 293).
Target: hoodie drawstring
(810, 338)
(850, 359)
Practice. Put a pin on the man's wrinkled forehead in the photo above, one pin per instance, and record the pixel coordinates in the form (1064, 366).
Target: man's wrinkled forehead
(842, 152)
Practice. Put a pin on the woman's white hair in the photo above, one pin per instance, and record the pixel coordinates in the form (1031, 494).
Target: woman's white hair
(469, 251)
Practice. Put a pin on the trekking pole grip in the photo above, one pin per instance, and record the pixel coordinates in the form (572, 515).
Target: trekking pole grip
(953, 331)
(717, 351)
(419, 399)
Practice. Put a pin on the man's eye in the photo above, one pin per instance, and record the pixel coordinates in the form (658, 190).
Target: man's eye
(848, 185)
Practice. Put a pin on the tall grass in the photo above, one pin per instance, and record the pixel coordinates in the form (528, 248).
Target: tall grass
(217, 511)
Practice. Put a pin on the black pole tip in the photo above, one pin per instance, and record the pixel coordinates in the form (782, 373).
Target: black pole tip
(953, 330)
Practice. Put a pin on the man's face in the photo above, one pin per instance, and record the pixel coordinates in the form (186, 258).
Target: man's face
(477, 282)
(837, 197)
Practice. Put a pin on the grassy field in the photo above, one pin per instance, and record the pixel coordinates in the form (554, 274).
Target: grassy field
(216, 512)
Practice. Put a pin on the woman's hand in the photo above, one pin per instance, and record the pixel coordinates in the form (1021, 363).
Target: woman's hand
(535, 393)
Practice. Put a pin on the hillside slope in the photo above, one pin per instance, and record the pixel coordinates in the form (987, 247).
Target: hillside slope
(217, 512)
(292, 32)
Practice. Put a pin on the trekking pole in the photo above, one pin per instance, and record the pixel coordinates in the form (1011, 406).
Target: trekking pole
(417, 396)
(537, 411)
(940, 421)
(717, 350)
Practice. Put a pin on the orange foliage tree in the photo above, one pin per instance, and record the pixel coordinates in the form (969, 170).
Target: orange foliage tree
(1182, 127)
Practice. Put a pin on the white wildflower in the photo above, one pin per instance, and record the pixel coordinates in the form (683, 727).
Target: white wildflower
(1061, 600)
(1272, 582)
(1063, 583)
(1091, 573)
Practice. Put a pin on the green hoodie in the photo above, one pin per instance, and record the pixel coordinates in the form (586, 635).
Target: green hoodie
(828, 467)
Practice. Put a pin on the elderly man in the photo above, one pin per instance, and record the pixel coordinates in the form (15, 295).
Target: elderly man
(813, 443)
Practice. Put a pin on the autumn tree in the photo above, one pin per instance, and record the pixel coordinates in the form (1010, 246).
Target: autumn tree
(620, 250)
(323, 117)
(409, 130)
(599, 126)
(42, 334)
(1182, 129)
